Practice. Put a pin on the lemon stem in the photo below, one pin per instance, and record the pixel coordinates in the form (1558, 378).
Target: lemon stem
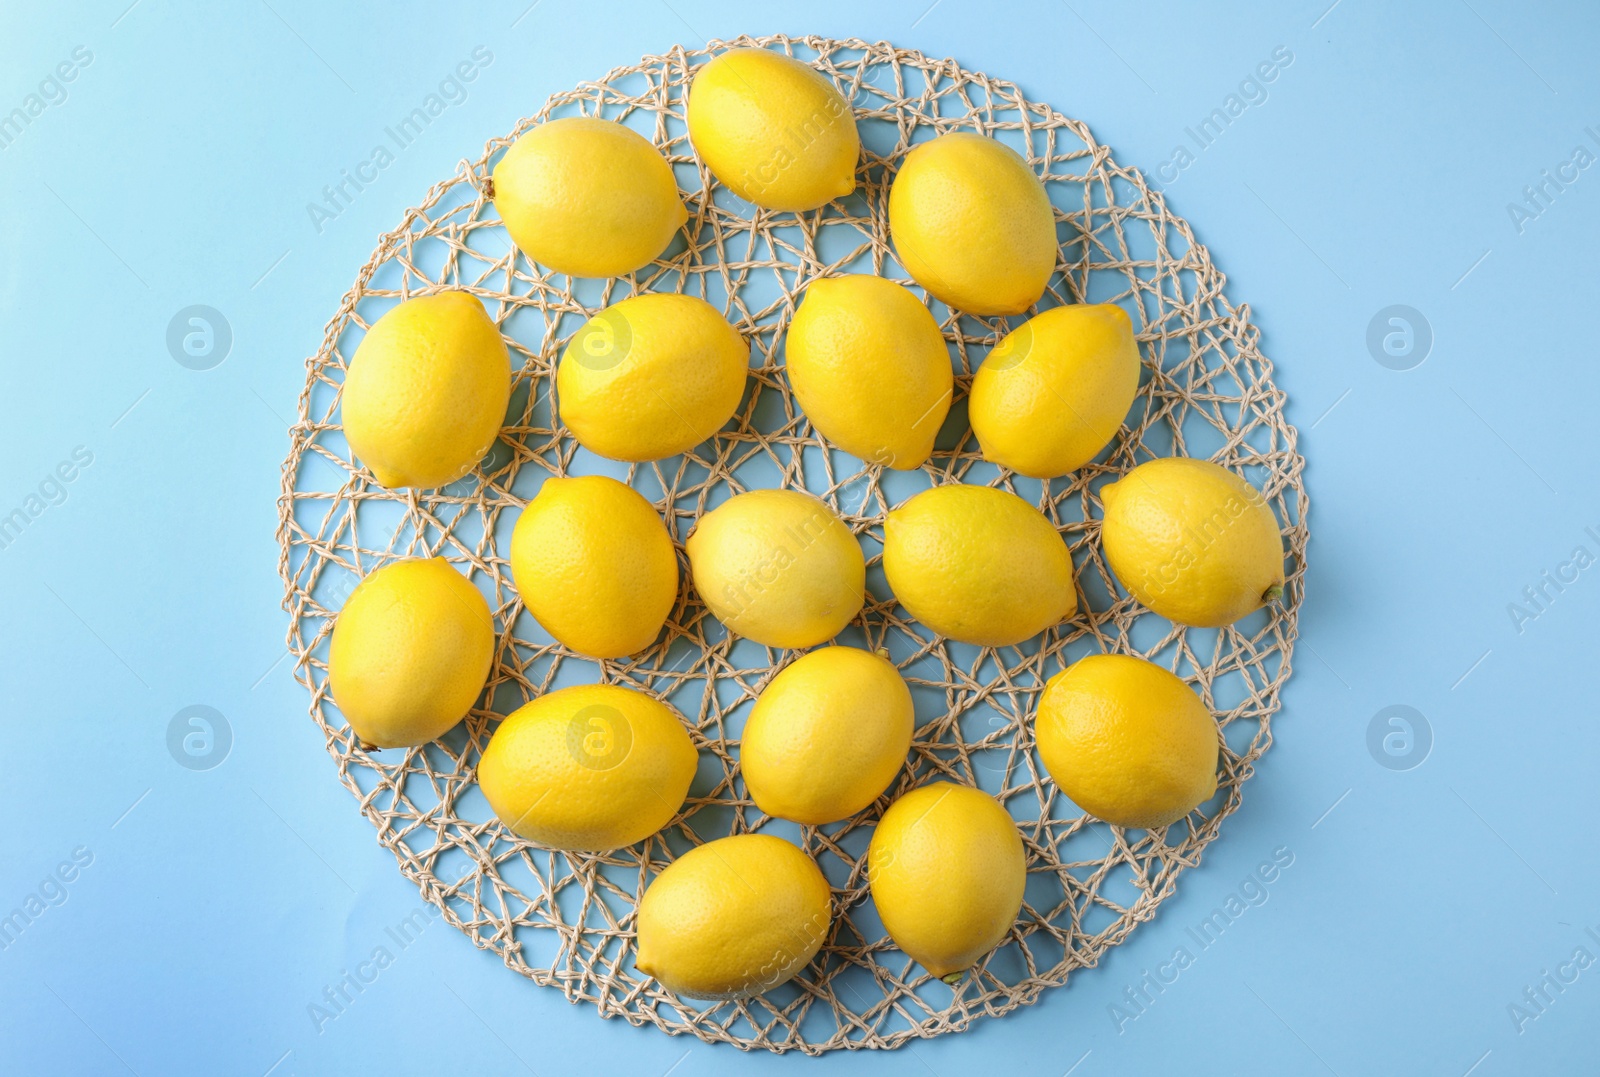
(953, 978)
(1272, 594)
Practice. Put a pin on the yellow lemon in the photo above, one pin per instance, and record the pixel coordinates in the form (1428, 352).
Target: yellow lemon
(594, 565)
(1192, 541)
(426, 391)
(978, 565)
(947, 869)
(733, 918)
(588, 197)
(1128, 741)
(773, 130)
(827, 736)
(870, 369)
(778, 567)
(973, 225)
(651, 377)
(590, 768)
(1053, 393)
(410, 652)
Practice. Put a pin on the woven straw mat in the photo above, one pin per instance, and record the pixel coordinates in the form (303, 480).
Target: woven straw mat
(566, 920)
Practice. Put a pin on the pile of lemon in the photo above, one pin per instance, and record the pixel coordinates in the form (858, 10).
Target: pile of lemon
(599, 767)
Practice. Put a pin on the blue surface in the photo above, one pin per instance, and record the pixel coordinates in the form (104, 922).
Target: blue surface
(207, 910)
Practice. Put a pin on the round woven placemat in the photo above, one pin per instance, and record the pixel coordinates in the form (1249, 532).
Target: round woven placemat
(566, 920)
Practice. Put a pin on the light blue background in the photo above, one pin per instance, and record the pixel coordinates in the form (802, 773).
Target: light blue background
(1378, 172)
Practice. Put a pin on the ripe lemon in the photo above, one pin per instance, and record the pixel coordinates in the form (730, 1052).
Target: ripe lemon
(972, 224)
(588, 197)
(947, 868)
(1128, 741)
(870, 369)
(778, 567)
(426, 391)
(410, 652)
(733, 918)
(1192, 541)
(590, 768)
(827, 736)
(1053, 393)
(978, 565)
(651, 376)
(594, 565)
(773, 130)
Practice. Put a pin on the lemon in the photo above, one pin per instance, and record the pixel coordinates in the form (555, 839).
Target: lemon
(594, 565)
(827, 736)
(773, 130)
(733, 918)
(1128, 741)
(1054, 392)
(1192, 541)
(651, 377)
(426, 391)
(590, 768)
(947, 869)
(870, 369)
(972, 224)
(778, 567)
(978, 565)
(410, 652)
(588, 197)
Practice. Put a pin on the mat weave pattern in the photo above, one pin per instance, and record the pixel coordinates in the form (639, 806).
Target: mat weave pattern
(566, 920)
